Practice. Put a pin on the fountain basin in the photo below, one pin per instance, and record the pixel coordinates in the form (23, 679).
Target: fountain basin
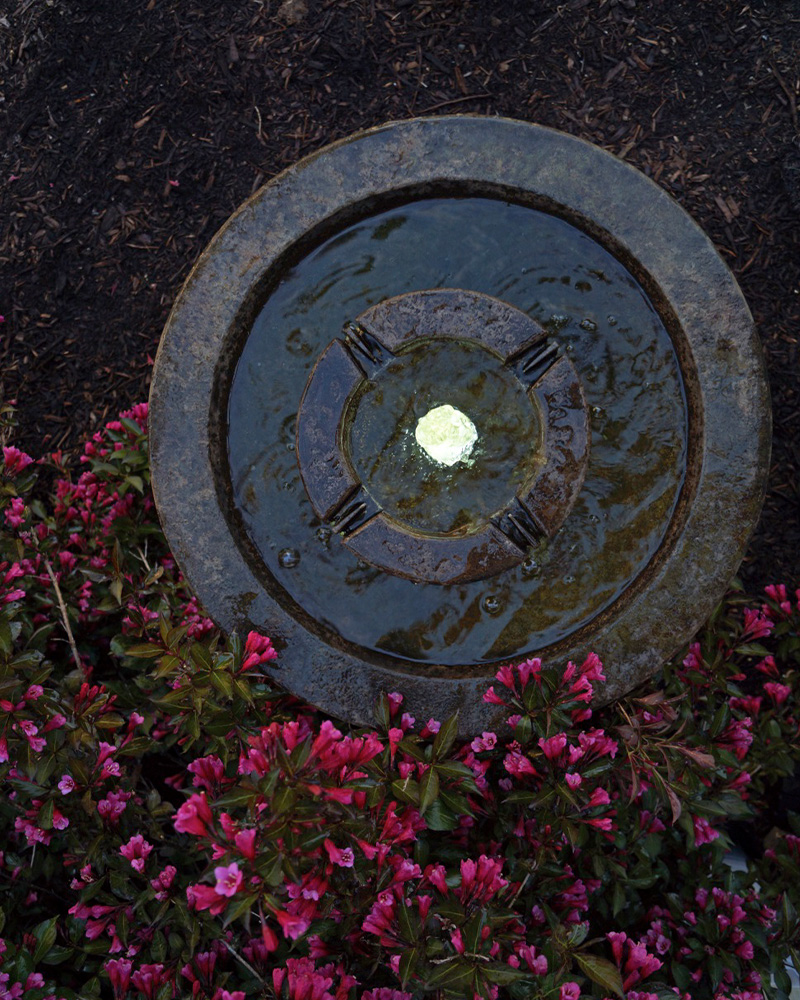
(630, 309)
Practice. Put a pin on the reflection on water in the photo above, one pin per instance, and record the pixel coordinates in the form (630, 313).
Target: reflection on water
(400, 475)
(599, 316)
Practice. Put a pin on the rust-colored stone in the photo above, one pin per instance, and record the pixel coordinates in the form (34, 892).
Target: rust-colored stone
(440, 559)
(452, 314)
(327, 476)
(555, 489)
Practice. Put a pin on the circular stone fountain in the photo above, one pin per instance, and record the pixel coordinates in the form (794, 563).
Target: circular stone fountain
(456, 392)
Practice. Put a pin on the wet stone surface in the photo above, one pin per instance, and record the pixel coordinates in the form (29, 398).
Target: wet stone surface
(358, 438)
(630, 295)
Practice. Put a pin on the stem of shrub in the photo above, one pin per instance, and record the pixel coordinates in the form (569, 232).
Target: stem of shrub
(64, 618)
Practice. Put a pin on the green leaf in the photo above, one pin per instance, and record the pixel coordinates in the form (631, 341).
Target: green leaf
(451, 974)
(175, 636)
(284, 799)
(446, 737)
(273, 876)
(408, 961)
(406, 790)
(144, 651)
(502, 974)
(722, 717)
(158, 947)
(137, 746)
(223, 682)
(45, 817)
(600, 971)
(6, 639)
(439, 817)
(383, 715)
(428, 790)
(45, 934)
(715, 968)
(454, 769)
(407, 922)
(200, 656)
(782, 980)
(459, 804)
(472, 931)
(410, 745)
(753, 649)
(240, 796)
(520, 797)
(57, 955)
(239, 908)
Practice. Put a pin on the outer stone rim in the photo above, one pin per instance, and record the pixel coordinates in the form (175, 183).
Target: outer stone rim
(681, 272)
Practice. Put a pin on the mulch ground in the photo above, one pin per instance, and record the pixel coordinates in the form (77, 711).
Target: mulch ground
(130, 131)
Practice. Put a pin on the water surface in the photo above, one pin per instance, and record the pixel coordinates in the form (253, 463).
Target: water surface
(595, 311)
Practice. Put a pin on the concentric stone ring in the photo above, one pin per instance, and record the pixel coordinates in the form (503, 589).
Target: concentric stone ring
(556, 459)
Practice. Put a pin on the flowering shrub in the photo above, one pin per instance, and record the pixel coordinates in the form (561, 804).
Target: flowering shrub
(173, 825)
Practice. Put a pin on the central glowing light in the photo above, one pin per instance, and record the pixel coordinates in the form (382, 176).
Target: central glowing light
(446, 435)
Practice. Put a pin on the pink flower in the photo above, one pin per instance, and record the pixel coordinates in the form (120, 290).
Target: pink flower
(136, 851)
(518, 764)
(600, 797)
(569, 991)
(195, 816)
(487, 741)
(431, 728)
(536, 963)
(119, 972)
(208, 772)
(66, 785)
(292, 925)
(704, 833)
(756, 625)
(768, 666)
(245, 841)
(553, 746)
(15, 460)
(385, 993)
(229, 879)
(481, 880)
(778, 692)
(257, 650)
(113, 806)
(15, 515)
(344, 858)
(163, 881)
(204, 897)
(778, 594)
(148, 978)
(490, 697)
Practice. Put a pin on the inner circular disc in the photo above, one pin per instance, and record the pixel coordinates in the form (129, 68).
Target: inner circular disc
(591, 307)
(405, 481)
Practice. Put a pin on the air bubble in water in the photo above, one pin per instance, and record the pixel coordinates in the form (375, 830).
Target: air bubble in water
(288, 558)
(491, 605)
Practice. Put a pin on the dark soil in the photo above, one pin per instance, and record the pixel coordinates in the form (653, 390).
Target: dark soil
(131, 129)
